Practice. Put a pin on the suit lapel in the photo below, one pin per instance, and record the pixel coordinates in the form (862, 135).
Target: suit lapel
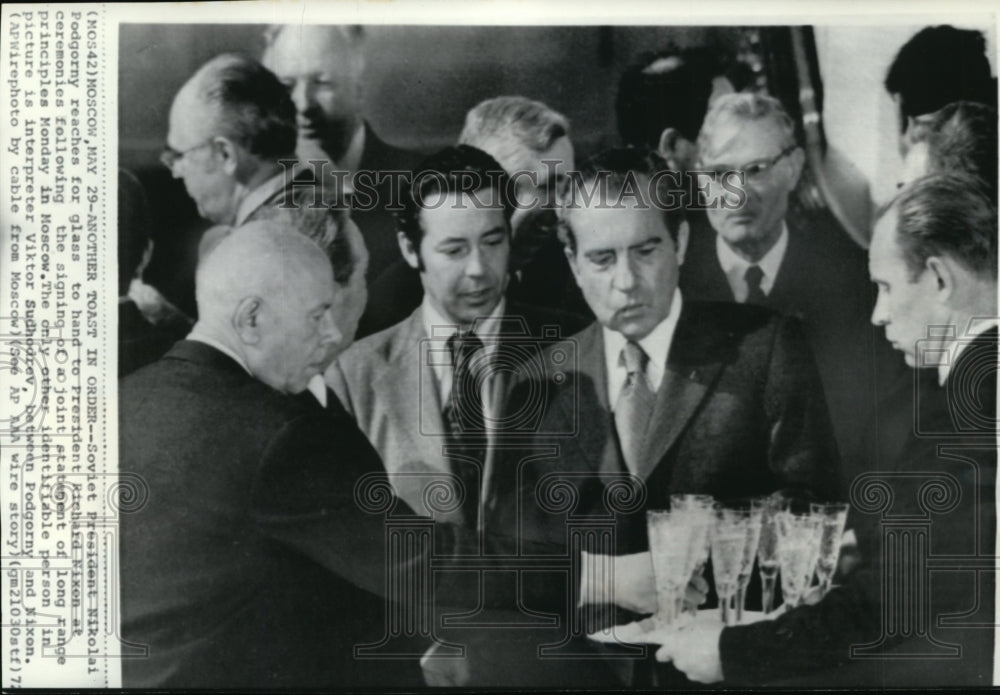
(584, 405)
(686, 381)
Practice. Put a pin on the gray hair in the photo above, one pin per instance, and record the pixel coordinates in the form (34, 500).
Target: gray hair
(746, 107)
(506, 127)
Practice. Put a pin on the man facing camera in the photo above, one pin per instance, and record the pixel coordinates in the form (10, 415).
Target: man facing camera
(920, 611)
(425, 389)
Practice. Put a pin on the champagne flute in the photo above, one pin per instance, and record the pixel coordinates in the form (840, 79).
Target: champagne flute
(698, 510)
(729, 539)
(669, 541)
(756, 507)
(798, 548)
(767, 549)
(833, 518)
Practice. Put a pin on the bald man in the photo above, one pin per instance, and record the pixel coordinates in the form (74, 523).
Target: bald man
(250, 561)
(322, 67)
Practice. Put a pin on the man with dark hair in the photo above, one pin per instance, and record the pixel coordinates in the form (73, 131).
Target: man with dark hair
(322, 67)
(937, 66)
(230, 124)
(454, 230)
(961, 137)
(920, 611)
(662, 395)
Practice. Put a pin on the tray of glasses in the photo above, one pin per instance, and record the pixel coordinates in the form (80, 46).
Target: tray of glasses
(646, 631)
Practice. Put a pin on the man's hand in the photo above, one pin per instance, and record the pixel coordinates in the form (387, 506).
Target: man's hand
(625, 580)
(695, 652)
(696, 593)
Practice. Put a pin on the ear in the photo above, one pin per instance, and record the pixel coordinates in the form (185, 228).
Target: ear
(672, 148)
(571, 259)
(410, 253)
(246, 320)
(943, 275)
(228, 153)
(683, 234)
(796, 160)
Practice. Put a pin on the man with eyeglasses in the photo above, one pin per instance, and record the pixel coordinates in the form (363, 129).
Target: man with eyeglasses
(230, 125)
(766, 252)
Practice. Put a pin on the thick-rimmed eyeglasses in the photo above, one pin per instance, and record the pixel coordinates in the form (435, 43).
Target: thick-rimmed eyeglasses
(755, 170)
(169, 157)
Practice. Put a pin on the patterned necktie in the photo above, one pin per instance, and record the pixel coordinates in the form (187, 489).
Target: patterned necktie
(464, 414)
(753, 277)
(635, 404)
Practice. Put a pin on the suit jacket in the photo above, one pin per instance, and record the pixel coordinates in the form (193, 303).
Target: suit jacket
(387, 383)
(740, 412)
(942, 480)
(823, 281)
(371, 210)
(250, 560)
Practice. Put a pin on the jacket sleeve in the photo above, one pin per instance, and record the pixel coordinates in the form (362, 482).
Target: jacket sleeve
(803, 452)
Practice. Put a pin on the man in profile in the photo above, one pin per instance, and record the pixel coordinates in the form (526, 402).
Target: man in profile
(322, 67)
(230, 125)
(920, 611)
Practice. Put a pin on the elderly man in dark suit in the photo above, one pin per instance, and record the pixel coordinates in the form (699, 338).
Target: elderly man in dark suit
(322, 67)
(759, 250)
(920, 611)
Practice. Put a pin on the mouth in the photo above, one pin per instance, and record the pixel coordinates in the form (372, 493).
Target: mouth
(631, 310)
(477, 297)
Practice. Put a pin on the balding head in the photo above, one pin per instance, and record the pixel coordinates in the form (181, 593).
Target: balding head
(266, 293)
(321, 67)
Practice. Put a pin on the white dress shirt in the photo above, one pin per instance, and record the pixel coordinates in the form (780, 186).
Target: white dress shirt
(735, 267)
(656, 345)
(440, 328)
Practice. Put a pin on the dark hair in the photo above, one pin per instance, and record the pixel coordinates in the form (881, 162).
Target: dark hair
(255, 109)
(134, 222)
(650, 100)
(462, 168)
(940, 65)
(947, 214)
(616, 170)
(962, 137)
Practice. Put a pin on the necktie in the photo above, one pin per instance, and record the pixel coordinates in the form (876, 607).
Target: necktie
(753, 276)
(635, 404)
(464, 415)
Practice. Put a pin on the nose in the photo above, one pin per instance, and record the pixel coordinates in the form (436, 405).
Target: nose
(329, 333)
(624, 275)
(880, 316)
(302, 95)
(474, 266)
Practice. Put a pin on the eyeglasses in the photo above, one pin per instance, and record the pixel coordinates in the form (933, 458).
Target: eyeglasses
(169, 157)
(755, 170)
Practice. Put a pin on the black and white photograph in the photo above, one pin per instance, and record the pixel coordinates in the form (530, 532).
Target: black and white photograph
(651, 354)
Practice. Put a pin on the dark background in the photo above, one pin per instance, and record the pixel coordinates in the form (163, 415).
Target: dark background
(420, 82)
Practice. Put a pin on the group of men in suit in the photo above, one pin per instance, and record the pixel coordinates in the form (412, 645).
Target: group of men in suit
(513, 426)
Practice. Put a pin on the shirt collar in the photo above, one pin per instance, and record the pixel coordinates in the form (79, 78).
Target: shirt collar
(656, 345)
(318, 389)
(255, 198)
(212, 342)
(437, 326)
(352, 157)
(735, 266)
(977, 326)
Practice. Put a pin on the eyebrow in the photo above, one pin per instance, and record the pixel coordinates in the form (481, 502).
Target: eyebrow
(656, 240)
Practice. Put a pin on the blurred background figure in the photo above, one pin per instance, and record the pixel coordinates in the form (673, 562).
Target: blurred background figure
(937, 66)
(323, 68)
(140, 341)
(961, 137)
